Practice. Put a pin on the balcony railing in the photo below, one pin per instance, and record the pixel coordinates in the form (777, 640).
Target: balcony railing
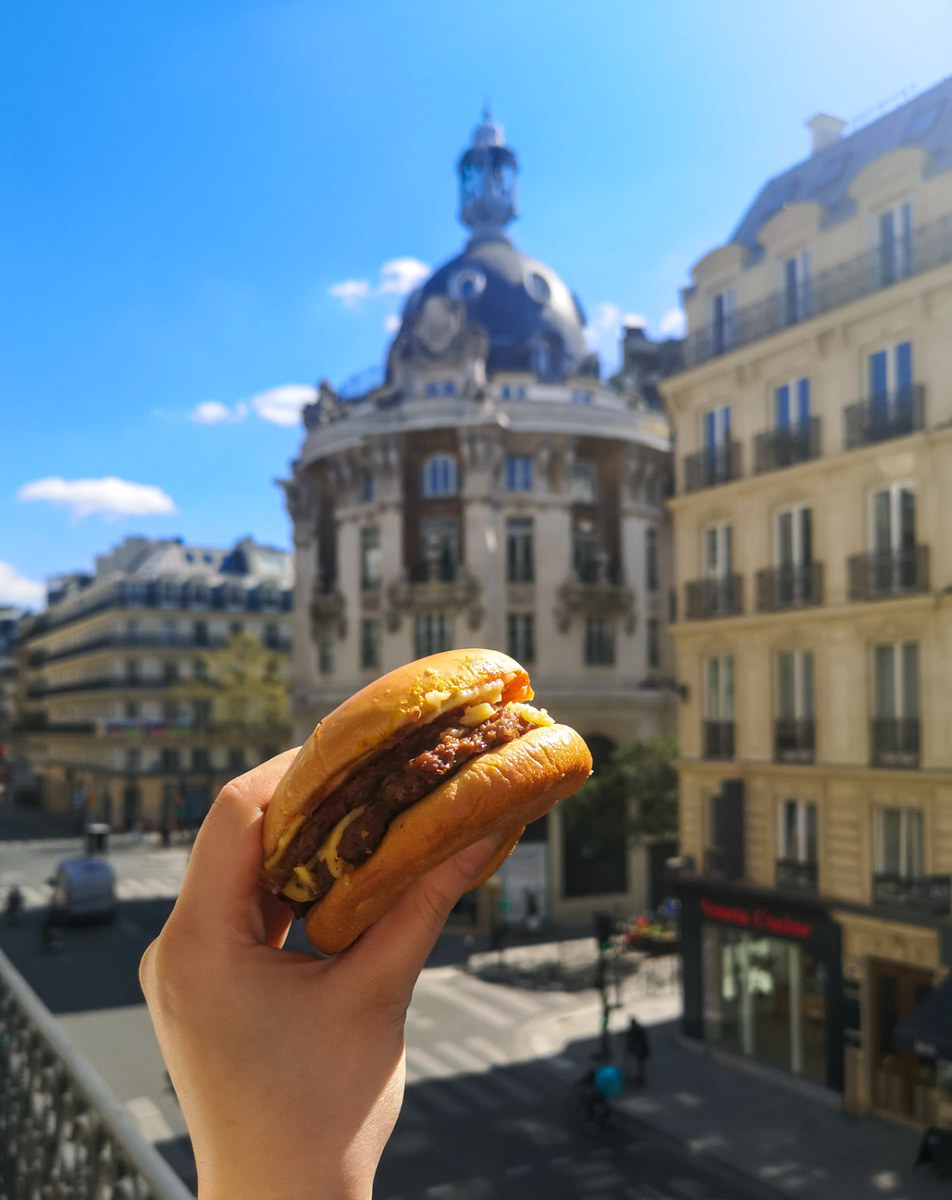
(718, 739)
(439, 570)
(786, 446)
(794, 740)
(711, 466)
(888, 573)
(894, 741)
(718, 597)
(794, 585)
(62, 1132)
(930, 247)
(928, 895)
(881, 418)
(795, 876)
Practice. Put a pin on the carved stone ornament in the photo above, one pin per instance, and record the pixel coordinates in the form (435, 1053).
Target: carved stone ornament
(459, 595)
(439, 324)
(328, 609)
(593, 600)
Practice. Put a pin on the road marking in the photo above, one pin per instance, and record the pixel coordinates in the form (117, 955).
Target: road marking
(462, 1057)
(490, 1050)
(132, 889)
(152, 1125)
(34, 896)
(485, 1012)
(424, 1065)
(511, 999)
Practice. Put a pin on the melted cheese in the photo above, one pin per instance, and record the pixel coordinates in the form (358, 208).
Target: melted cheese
(476, 714)
(328, 852)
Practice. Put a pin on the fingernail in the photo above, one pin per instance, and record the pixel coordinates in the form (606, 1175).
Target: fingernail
(474, 858)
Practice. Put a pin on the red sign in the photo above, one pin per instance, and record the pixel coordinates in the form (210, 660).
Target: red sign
(757, 920)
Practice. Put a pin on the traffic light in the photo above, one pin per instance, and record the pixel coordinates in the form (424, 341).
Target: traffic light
(604, 928)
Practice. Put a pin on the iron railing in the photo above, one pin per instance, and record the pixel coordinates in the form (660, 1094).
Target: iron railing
(63, 1134)
(924, 894)
(886, 573)
(881, 418)
(786, 445)
(792, 875)
(711, 466)
(930, 247)
(718, 739)
(792, 585)
(794, 740)
(894, 741)
(721, 596)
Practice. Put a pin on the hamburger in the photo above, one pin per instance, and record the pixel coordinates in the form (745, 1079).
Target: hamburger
(410, 770)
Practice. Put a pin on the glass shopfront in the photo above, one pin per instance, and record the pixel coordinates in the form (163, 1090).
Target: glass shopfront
(765, 998)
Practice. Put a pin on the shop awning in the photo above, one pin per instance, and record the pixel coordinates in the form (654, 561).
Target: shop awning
(927, 1031)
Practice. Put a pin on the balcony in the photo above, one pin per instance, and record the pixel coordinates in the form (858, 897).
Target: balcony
(927, 895)
(886, 573)
(786, 446)
(716, 597)
(794, 585)
(930, 246)
(794, 876)
(443, 569)
(718, 739)
(894, 742)
(881, 418)
(794, 740)
(712, 466)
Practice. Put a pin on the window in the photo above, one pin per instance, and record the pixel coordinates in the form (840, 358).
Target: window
(795, 686)
(893, 239)
(520, 637)
(370, 576)
(899, 843)
(520, 553)
(439, 545)
(718, 551)
(653, 646)
(236, 758)
(170, 711)
(434, 633)
(370, 643)
(795, 289)
(583, 485)
(792, 405)
(511, 391)
(325, 652)
(599, 642)
(441, 387)
(716, 429)
(580, 397)
(235, 628)
(793, 537)
(167, 634)
(519, 473)
(896, 682)
(893, 519)
(440, 475)
(169, 593)
(170, 672)
(722, 321)
(234, 596)
(200, 759)
(719, 688)
(133, 759)
(169, 758)
(585, 550)
(890, 378)
(651, 560)
(797, 835)
(367, 486)
(131, 710)
(201, 714)
(199, 669)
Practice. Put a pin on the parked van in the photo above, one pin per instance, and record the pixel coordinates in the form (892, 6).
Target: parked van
(84, 889)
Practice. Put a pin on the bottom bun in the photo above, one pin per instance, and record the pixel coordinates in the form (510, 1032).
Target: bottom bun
(501, 790)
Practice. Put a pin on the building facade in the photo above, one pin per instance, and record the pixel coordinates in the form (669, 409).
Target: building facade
(813, 560)
(122, 716)
(490, 490)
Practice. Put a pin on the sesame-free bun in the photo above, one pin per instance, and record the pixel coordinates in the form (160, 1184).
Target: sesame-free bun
(376, 716)
(501, 790)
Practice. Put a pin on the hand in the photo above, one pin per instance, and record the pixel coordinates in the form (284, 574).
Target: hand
(289, 1068)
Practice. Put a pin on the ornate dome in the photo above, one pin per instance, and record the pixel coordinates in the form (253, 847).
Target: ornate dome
(530, 318)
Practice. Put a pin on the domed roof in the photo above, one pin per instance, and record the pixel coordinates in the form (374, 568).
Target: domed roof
(533, 322)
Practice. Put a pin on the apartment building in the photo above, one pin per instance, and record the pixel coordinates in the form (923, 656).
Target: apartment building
(813, 565)
(117, 720)
(490, 490)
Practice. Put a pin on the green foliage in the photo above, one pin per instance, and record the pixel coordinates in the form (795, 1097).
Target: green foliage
(242, 684)
(635, 796)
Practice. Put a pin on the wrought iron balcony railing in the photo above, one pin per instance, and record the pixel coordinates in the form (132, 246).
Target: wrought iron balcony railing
(794, 740)
(435, 570)
(718, 739)
(62, 1132)
(711, 466)
(894, 741)
(926, 894)
(792, 875)
(881, 418)
(930, 246)
(794, 585)
(886, 573)
(786, 446)
(718, 597)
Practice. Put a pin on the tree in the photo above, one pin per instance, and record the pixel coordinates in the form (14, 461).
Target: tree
(240, 685)
(637, 792)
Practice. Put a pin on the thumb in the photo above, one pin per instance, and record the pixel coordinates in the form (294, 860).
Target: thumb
(399, 944)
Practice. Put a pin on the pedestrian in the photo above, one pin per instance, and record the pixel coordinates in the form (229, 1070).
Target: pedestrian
(637, 1051)
(14, 905)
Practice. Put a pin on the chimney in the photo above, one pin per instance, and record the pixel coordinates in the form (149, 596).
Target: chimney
(825, 130)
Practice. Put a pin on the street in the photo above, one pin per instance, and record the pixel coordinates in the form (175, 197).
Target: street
(489, 1104)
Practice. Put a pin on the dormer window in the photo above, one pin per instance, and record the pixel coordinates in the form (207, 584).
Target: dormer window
(440, 476)
(441, 387)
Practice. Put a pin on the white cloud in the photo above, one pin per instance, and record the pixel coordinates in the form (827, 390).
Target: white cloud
(634, 321)
(213, 412)
(19, 591)
(603, 333)
(401, 275)
(283, 405)
(350, 292)
(109, 497)
(391, 324)
(672, 323)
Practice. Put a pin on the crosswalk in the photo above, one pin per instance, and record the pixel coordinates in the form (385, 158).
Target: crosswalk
(126, 889)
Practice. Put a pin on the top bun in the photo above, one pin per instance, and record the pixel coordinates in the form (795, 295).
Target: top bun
(410, 696)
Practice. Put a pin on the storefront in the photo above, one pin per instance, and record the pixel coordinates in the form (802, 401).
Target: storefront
(762, 978)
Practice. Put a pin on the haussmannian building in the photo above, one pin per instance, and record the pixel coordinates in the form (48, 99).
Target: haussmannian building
(813, 565)
(490, 490)
(106, 720)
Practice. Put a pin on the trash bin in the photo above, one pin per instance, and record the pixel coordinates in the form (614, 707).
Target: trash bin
(97, 838)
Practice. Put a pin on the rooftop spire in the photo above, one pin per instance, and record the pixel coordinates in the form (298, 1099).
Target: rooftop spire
(487, 172)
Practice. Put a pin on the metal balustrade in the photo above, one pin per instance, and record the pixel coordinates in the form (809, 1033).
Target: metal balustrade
(63, 1134)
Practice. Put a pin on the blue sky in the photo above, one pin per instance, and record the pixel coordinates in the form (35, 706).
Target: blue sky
(208, 205)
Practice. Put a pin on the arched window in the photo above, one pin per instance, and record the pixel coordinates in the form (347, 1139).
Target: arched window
(440, 475)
